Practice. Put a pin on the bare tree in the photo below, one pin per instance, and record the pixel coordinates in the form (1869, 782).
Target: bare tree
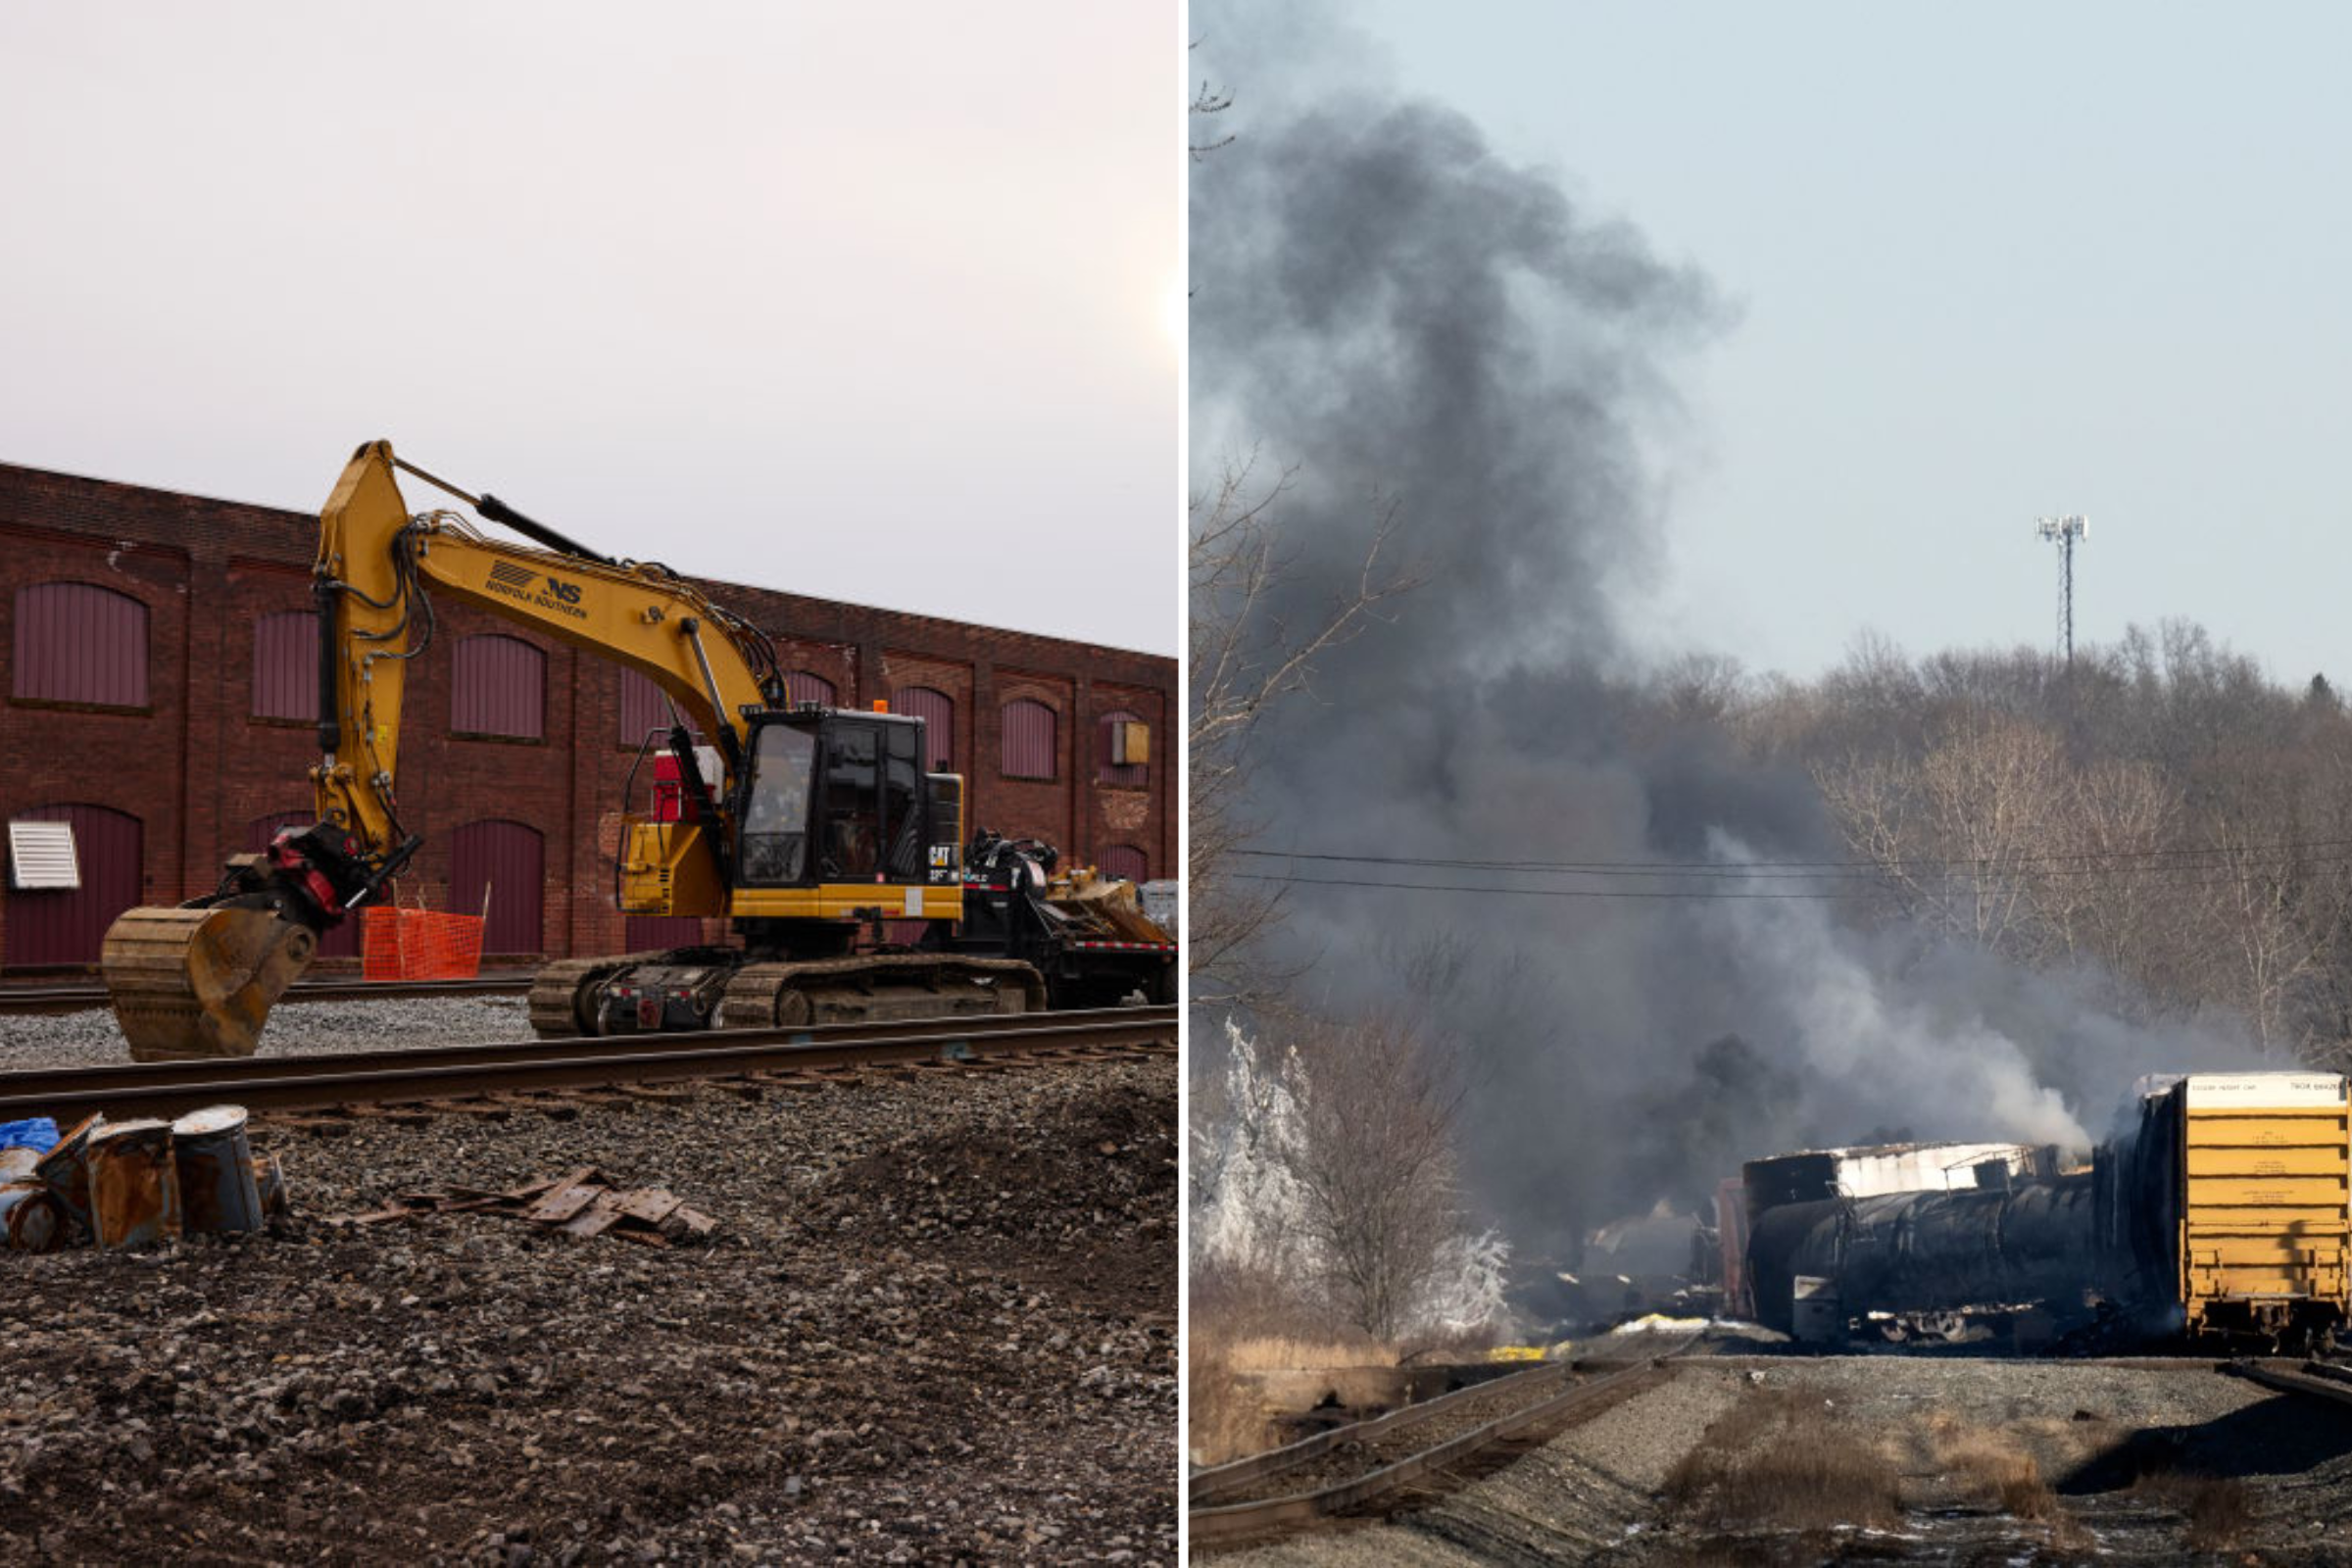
(1209, 101)
(1376, 1168)
(1244, 662)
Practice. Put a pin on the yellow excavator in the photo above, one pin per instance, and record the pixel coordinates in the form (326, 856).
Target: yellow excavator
(820, 825)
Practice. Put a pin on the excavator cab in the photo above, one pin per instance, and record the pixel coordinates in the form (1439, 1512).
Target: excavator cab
(836, 796)
(835, 804)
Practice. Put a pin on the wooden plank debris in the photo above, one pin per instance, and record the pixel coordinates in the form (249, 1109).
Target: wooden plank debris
(582, 1202)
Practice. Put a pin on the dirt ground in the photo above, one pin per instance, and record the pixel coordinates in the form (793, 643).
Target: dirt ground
(1758, 1463)
(936, 1324)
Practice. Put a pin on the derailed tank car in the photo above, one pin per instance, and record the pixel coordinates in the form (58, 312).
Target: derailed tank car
(1818, 1177)
(1924, 1260)
(2221, 1210)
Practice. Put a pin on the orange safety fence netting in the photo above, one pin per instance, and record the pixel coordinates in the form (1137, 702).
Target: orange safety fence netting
(419, 945)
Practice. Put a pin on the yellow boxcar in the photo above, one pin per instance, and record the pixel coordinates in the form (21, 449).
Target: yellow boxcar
(2264, 1181)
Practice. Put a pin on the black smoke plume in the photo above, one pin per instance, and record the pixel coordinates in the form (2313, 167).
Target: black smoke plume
(1404, 317)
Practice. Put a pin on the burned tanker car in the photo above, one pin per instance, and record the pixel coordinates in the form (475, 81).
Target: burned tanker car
(2218, 1210)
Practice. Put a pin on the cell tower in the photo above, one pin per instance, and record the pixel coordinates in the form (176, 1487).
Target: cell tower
(2065, 531)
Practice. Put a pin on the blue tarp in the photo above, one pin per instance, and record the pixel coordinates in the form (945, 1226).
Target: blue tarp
(37, 1131)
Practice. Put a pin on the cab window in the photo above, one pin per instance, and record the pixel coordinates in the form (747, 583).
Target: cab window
(902, 778)
(775, 819)
(852, 826)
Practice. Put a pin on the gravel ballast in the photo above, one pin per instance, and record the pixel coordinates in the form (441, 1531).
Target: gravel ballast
(93, 1039)
(936, 1324)
(1981, 1461)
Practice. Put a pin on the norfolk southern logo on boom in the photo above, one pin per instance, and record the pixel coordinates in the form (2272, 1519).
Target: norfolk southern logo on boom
(564, 598)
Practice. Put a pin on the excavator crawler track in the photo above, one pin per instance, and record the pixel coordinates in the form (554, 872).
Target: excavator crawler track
(879, 986)
(564, 995)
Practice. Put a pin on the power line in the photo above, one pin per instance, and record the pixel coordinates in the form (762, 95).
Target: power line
(1547, 892)
(2197, 857)
(2170, 878)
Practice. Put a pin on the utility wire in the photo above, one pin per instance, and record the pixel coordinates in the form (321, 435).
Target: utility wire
(1971, 864)
(1860, 888)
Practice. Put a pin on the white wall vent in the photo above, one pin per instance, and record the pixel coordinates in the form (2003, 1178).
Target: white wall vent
(40, 855)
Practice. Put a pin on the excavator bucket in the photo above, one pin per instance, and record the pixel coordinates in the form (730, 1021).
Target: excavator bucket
(189, 983)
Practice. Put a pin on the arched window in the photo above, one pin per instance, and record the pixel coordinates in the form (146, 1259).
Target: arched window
(1122, 750)
(1128, 862)
(285, 665)
(805, 686)
(642, 710)
(498, 687)
(79, 643)
(68, 925)
(937, 711)
(505, 865)
(343, 941)
(1028, 739)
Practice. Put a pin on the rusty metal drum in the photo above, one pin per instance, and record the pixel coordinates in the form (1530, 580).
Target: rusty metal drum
(66, 1171)
(28, 1215)
(134, 1184)
(270, 1180)
(216, 1187)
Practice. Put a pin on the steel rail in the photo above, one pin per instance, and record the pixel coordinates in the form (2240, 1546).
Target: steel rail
(2313, 1379)
(82, 1081)
(1205, 1486)
(1273, 1516)
(27, 1000)
(457, 1072)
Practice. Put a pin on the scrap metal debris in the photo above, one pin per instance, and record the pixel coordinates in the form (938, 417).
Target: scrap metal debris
(585, 1202)
(137, 1183)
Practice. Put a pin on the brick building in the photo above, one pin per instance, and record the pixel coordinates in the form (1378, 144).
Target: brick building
(158, 680)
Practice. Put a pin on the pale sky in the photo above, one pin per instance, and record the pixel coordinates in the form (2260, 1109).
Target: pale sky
(1986, 264)
(870, 303)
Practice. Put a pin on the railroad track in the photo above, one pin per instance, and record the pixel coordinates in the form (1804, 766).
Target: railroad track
(1370, 1466)
(2318, 1380)
(25, 1001)
(456, 1074)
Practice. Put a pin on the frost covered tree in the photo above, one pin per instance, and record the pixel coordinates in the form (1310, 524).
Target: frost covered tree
(1331, 1161)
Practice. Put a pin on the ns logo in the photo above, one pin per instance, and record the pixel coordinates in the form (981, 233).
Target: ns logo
(565, 592)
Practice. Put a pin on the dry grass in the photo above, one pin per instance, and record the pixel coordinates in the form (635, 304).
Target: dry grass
(2218, 1509)
(1781, 1460)
(1274, 1352)
(1225, 1419)
(1228, 1418)
(1994, 1468)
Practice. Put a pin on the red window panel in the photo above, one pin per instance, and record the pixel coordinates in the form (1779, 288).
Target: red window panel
(1028, 740)
(285, 665)
(937, 711)
(68, 925)
(1127, 862)
(79, 643)
(801, 686)
(1107, 771)
(642, 710)
(506, 865)
(343, 941)
(499, 687)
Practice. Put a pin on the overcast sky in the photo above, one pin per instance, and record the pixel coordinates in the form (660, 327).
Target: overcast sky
(1984, 264)
(871, 303)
